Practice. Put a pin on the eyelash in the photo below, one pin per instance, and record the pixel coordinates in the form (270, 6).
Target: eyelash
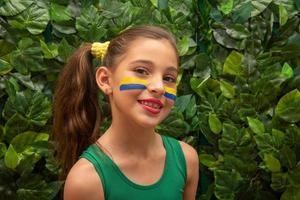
(169, 79)
(142, 71)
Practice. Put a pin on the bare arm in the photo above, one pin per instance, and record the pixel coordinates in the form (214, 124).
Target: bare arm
(83, 183)
(192, 161)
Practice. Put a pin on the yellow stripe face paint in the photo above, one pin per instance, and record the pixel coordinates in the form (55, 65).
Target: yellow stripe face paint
(132, 83)
(170, 93)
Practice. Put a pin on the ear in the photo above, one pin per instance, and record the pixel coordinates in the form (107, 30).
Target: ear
(103, 75)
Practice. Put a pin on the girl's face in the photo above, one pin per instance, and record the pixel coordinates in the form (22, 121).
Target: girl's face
(144, 82)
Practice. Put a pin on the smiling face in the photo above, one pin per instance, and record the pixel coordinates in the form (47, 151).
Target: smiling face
(143, 83)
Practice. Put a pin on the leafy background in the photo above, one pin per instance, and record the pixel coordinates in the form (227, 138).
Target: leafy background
(238, 88)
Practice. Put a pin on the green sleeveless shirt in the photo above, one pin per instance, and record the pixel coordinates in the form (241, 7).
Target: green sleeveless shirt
(117, 186)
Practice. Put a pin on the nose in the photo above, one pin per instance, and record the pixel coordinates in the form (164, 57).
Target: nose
(156, 86)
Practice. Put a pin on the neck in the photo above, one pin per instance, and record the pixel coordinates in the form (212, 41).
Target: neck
(129, 138)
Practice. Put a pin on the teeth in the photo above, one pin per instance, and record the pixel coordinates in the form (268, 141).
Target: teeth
(150, 104)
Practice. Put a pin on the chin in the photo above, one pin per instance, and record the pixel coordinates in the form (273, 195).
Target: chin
(149, 123)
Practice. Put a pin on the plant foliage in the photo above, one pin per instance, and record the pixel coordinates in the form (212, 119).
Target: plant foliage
(238, 88)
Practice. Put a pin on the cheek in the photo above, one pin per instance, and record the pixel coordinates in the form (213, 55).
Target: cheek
(170, 93)
(169, 104)
(131, 83)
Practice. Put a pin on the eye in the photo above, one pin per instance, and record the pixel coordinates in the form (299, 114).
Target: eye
(170, 79)
(141, 71)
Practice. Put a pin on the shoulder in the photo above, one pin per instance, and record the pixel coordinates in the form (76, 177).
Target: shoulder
(190, 154)
(83, 182)
(192, 161)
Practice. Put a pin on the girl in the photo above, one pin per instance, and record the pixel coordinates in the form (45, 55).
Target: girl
(130, 160)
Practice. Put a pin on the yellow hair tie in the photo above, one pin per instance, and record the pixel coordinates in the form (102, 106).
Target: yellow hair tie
(99, 49)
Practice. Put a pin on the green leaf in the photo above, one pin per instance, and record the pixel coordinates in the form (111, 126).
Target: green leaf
(283, 15)
(191, 108)
(272, 163)
(11, 87)
(50, 51)
(63, 28)
(26, 140)
(5, 67)
(154, 3)
(287, 71)
(203, 64)
(64, 50)
(288, 157)
(34, 106)
(237, 31)
(242, 12)
(39, 189)
(3, 149)
(256, 126)
(7, 47)
(11, 130)
(227, 89)
(259, 6)
(173, 125)
(225, 183)
(233, 63)
(215, 124)
(59, 13)
(216, 15)
(278, 138)
(26, 81)
(91, 25)
(198, 84)
(226, 6)
(13, 7)
(289, 5)
(241, 163)
(28, 57)
(294, 176)
(12, 158)
(297, 3)
(268, 143)
(162, 4)
(183, 45)
(279, 181)
(292, 193)
(208, 160)
(34, 19)
(235, 141)
(225, 40)
(182, 102)
(288, 107)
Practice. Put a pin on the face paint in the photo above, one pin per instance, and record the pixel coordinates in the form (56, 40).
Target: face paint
(170, 93)
(130, 83)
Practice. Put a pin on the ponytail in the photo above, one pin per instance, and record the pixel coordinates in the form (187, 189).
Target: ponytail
(76, 112)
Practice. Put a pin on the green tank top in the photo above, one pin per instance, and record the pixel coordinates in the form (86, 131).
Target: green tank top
(117, 186)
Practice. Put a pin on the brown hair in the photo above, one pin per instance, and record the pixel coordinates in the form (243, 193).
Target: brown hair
(76, 112)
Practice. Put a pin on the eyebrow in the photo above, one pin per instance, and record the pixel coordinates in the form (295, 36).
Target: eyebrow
(170, 68)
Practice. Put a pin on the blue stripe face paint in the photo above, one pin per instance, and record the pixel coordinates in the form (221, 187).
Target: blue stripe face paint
(170, 93)
(132, 87)
(131, 83)
(170, 96)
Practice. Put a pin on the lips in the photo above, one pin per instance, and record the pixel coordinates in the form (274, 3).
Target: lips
(151, 105)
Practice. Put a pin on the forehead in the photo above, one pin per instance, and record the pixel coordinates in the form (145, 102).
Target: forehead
(158, 51)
